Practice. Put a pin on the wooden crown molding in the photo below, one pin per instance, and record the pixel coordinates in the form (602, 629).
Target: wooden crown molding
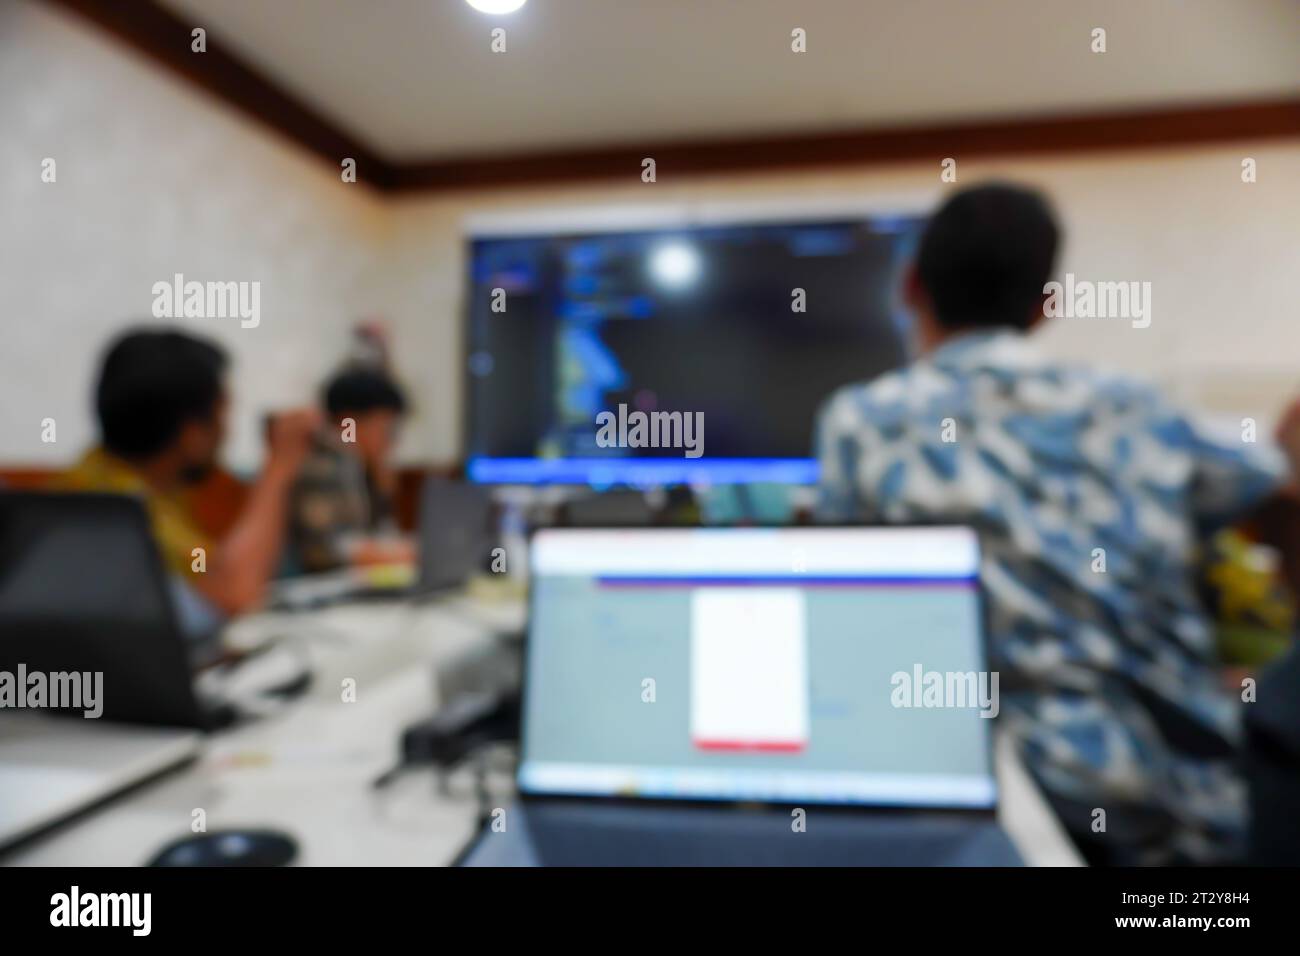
(165, 38)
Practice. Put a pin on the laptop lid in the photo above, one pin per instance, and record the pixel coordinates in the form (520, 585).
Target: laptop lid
(51, 769)
(454, 532)
(83, 592)
(794, 665)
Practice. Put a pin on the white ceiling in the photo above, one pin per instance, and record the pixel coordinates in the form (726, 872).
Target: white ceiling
(416, 78)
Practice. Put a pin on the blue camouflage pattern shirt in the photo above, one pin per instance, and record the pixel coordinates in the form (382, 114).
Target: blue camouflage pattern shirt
(1090, 496)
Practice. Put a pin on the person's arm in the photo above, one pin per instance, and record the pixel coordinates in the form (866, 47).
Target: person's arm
(247, 556)
(836, 497)
(1276, 521)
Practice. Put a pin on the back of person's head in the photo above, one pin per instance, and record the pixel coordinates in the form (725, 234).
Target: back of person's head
(361, 390)
(151, 384)
(985, 256)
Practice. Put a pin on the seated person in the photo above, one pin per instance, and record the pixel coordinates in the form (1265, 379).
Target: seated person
(343, 500)
(1090, 495)
(161, 404)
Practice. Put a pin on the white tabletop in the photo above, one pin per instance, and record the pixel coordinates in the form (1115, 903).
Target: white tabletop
(308, 769)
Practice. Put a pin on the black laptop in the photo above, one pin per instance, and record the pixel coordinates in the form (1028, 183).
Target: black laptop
(753, 696)
(82, 589)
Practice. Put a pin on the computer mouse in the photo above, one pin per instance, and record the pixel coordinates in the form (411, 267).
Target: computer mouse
(229, 848)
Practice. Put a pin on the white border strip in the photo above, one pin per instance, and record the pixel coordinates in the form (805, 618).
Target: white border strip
(928, 552)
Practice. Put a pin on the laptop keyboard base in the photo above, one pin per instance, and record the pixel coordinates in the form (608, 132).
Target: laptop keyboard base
(590, 834)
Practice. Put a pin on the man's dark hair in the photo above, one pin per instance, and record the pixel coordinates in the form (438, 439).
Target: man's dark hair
(151, 384)
(986, 255)
(363, 390)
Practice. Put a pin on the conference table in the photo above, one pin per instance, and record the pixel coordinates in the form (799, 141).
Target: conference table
(309, 767)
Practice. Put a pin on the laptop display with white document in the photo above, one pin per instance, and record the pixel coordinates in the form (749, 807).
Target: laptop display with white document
(690, 673)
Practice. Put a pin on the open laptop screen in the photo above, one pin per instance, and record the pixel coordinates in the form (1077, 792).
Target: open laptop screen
(822, 665)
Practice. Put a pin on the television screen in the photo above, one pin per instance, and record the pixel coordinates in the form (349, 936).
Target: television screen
(742, 329)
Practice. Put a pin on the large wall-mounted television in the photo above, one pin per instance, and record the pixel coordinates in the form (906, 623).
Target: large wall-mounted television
(749, 324)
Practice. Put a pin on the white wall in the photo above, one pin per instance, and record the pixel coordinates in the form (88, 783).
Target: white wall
(156, 178)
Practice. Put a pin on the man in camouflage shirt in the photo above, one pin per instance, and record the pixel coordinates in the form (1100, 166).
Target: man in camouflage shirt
(345, 490)
(1090, 495)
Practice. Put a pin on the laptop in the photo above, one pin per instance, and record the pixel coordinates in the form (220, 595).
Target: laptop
(52, 768)
(455, 533)
(749, 696)
(82, 589)
(454, 542)
(84, 606)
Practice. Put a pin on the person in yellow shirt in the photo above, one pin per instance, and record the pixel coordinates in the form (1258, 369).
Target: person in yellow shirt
(161, 402)
(173, 529)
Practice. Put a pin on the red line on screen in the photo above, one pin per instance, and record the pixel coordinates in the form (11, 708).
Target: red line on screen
(762, 746)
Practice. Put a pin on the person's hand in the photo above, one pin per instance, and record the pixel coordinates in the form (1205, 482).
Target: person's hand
(1288, 436)
(289, 437)
(372, 550)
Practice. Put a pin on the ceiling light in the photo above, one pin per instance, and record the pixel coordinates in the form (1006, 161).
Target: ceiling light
(496, 6)
(675, 264)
